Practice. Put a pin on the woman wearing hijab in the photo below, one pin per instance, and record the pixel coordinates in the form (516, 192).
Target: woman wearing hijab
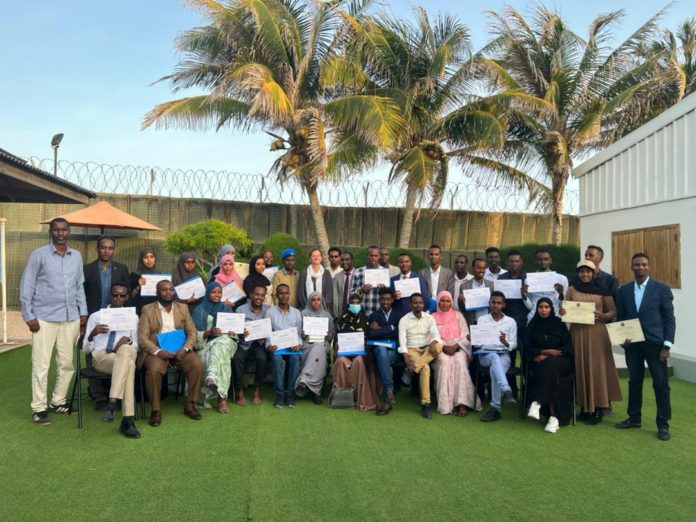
(315, 278)
(184, 270)
(216, 348)
(224, 250)
(597, 382)
(356, 372)
(228, 275)
(147, 264)
(256, 278)
(455, 390)
(549, 354)
(313, 364)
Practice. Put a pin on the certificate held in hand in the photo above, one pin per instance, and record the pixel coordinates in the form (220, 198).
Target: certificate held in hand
(285, 339)
(351, 344)
(377, 276)
(194, 287)
(119, 319)
(232, 293)
(621, 331)
(578, 312)
(259, 329)
(477, 298)
(315, 326)
(486, 334)
(512, 288)
(149, 289)
(407, 287)
(541, 281)
(228, 322)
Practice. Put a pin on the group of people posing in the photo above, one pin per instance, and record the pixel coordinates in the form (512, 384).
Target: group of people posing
(411, 330)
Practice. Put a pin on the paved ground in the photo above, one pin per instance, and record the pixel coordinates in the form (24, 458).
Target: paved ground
(17, 332)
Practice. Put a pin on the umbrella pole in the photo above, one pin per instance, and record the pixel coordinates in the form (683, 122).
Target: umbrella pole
(3, 279)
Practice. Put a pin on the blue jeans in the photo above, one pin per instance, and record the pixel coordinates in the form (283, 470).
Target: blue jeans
(499, 364)
(385, 359)
(279, 362)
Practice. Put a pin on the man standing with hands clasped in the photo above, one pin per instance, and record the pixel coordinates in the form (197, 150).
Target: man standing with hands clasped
(651, 303)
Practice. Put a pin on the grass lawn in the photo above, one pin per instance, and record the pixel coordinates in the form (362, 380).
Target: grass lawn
(314, 463)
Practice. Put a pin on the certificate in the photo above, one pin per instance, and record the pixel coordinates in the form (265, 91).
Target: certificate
(352, 343)
(285, 338)
(151, 280)
(260, 329)
(119, 319)
(192, 288)
(228, 322)
(407, 287)
(477, 298)
(622, 330)
(512, 288)
(270, 272)
(578, 312)
(486, 334)
(315, 326)
(377, 276)
(541, 281)
(232, 293)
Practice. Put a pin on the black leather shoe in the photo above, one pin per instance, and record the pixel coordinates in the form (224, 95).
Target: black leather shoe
(491, 415)
(128, 429)
(426, 412)
(385, 409)
(627, 424)
(595, 418)
(155, 419)
(663, 434)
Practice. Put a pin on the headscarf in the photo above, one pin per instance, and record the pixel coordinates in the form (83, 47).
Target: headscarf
(207, 307)
(224, 249)
(254, 279)
(447, 321)
(142, 269)
(322, 312)
(180, 274)
(225, 279)
(592, 287)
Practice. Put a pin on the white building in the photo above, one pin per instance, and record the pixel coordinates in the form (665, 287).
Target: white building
(640, 195)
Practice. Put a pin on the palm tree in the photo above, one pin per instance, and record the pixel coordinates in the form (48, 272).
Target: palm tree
(421, 66)
(566, 97)
(261, 61)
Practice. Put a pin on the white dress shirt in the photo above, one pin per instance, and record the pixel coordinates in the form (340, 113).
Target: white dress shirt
(416, 333)
(490, 276)
(168, 324)
(506, 325)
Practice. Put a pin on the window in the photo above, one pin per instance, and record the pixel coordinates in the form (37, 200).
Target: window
(662, 244)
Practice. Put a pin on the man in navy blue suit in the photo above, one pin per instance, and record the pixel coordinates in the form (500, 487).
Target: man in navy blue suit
(402, 304)
(651, 303)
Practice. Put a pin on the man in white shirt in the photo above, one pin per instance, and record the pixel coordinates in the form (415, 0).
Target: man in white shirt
(437, 276)
(420, 344)
(335, 267)
(498, 358)
(543, 263)
(114, 352)
(461, 275)
(342, 283)
(494, 269)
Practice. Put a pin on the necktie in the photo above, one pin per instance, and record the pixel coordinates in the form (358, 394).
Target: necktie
(110, 342)
(346, 289)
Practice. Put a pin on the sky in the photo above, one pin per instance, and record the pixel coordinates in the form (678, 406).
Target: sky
(86, 68)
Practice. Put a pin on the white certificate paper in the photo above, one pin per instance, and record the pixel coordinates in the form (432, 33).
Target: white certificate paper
(192, 288)
(578, 312)
(622, 330)
(232, 293)
(287, 338)
(228, 322)
(260, 329)
(485, 334)
(377, 276)
(477, 298)
(270, 272)
(512, 288)
(351, 342)
(151, 280)
(407, 287)
(541, 281)
(119, 319)
(315, 326)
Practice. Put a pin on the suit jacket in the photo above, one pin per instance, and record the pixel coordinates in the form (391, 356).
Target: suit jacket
(468, 285)
(93, 289)
(445, 282)
(326, 290)
(403, 306)
(339, 282)
(150, 326)
(656, 312)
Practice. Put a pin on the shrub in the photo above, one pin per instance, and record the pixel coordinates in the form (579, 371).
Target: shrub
(565, 257)
(279, 241)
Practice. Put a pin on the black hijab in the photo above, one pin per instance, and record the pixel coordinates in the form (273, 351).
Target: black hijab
(180, 274)
(592, 287)
(142, 269)
(254, 279)
(545, 324)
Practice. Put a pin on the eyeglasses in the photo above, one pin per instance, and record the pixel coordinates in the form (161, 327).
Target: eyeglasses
(116, 294)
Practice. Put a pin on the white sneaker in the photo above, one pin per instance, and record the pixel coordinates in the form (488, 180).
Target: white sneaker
(534, 410)
(552, 426)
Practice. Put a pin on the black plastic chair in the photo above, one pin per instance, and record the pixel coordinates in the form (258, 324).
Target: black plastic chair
(89, 372)
(511, 374)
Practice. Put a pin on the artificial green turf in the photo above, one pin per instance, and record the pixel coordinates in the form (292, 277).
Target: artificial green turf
(314, 463)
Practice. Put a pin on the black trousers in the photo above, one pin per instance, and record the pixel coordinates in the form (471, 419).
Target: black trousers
(637, 354)
(258, 352)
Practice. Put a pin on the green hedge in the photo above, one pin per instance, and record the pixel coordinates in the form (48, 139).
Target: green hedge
(565, 257)
(279, 241)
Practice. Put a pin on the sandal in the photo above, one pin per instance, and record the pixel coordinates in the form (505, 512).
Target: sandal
(222, 406)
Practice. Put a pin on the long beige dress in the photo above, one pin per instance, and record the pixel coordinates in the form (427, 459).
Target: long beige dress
(596, 379)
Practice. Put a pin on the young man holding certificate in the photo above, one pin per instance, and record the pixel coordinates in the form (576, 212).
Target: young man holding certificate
(114, 352)
(545, 283)
(650, 302)
(405, 284)
(159, 323)
(472, 309)
(284, 317)
(496, 355)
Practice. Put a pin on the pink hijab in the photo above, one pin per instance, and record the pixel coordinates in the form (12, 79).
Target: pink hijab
(447, 321)
(225, 279)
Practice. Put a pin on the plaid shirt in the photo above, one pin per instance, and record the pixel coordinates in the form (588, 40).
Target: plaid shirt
(370, 302)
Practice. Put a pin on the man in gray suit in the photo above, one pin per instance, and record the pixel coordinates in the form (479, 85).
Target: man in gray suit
(437, 276)
(341, 284)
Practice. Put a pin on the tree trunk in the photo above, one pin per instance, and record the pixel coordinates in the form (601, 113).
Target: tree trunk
(407, 225)
(318, 219)
(558, 185)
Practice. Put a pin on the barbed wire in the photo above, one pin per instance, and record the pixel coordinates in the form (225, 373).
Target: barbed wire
(257, 188)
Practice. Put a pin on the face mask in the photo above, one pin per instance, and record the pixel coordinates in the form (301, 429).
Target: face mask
(354, 308)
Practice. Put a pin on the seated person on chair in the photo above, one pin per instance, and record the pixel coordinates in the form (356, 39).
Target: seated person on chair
(114, 352)
(164, 316)
(420, 344)
(498, 358)
(384, 326)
